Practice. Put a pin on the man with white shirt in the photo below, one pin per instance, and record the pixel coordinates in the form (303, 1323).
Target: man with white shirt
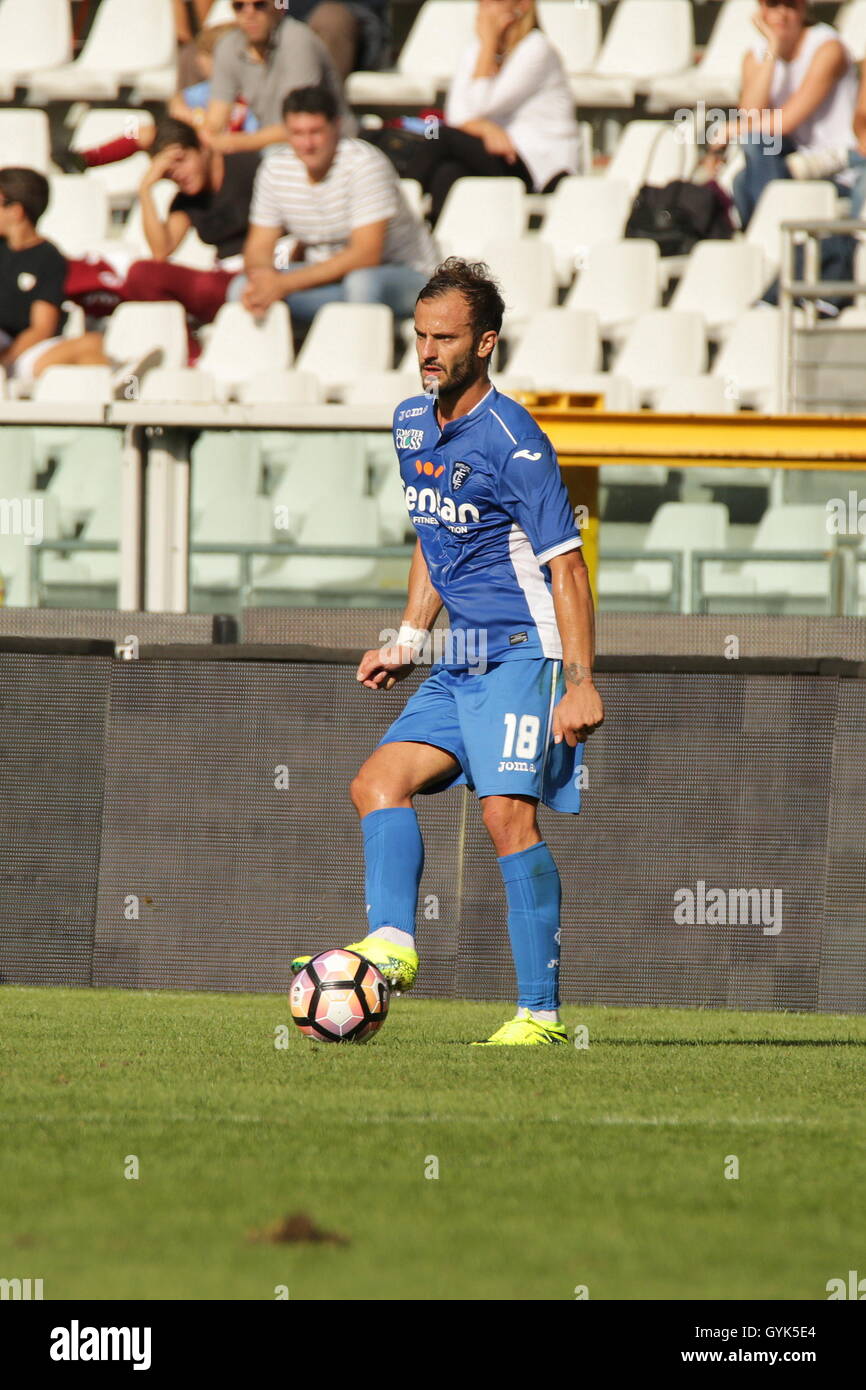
(340, 198)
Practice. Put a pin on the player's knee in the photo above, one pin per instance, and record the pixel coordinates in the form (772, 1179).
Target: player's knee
(376, 787)
(365, 791)
(510, 824)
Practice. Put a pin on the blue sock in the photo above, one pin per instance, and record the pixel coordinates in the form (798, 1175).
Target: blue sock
(534, 893)
(394, 858)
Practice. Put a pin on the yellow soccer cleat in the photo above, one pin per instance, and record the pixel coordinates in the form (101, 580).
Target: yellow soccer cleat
(523, 1031)
(399, 964)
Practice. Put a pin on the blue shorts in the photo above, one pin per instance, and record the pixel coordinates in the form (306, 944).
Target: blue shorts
(499, 727)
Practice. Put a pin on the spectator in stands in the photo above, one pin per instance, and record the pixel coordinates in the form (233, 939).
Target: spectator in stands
(857, 157)
(802, 80)
(181, 17)
(355, 32)
(214, 196)
(188, 66)
(357, 239)
(263, 61)
(797, 103)
(189, 105)
(509, 109)
(32, 277)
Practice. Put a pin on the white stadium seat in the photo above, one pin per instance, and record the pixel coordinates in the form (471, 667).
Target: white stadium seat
(748, 361)
(575, 30)
(850, 21)
(780, 585)
(716, 79)
(661, 345)
(414, 195)
(382, 388)
(524, 268)
(25, 46)
(25, 140)
(180, 385)
(68, 383)
(17, 462)
(646, 39)
(619, 282)
(287, 387)
(345, 340)
(128, 38)
(441, 30)
(787, 200)
(721, 279)
(77, 217)
(240, 346)
(224, 463)
(654, 152)
(232, 517)
(677, 526)
(332, 520)
(580, 213)
(695, 395)
(123, 178)
(88, 469)
(555, 346)
(473, 207)
(617, 391)
(38, 510)
(309, 468)
(394, 521)
(155, 332)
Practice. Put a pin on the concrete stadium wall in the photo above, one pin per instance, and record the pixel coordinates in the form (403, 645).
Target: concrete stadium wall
(147, 845)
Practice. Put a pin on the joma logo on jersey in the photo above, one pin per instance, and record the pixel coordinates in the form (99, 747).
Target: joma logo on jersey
(410, 439)
(408, 414)
(430, 499)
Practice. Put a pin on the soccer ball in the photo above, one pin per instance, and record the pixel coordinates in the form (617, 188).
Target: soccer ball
(339, 997)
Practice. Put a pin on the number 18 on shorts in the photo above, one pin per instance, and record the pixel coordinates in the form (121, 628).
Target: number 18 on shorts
(499, 726)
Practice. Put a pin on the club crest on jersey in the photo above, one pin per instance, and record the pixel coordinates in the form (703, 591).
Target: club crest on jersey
(459, 474)
(409, 439)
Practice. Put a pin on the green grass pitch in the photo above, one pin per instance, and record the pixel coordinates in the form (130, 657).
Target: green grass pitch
(601, 1167)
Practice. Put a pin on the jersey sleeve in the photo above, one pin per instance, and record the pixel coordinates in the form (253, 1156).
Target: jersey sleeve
(533, 493)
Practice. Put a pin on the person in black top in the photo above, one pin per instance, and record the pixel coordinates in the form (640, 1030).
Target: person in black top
(214, 195)
(32, 277)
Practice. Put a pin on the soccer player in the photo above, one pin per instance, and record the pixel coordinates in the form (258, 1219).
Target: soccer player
(497, 543)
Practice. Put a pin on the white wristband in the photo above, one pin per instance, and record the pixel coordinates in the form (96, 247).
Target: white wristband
(414, 637)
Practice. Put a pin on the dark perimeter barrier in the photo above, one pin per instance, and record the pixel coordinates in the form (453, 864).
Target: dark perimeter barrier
(182, 820)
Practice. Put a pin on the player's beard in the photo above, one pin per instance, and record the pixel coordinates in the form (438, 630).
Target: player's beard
(460, 375)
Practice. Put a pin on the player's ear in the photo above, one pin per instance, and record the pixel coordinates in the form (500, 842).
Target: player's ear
(486, 343)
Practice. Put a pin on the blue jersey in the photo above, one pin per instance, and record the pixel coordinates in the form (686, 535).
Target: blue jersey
(490, 509)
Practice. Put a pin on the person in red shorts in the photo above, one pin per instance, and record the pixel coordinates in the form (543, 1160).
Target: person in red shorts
(214, 195)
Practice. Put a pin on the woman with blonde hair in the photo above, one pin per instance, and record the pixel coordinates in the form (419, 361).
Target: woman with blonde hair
(509, 109)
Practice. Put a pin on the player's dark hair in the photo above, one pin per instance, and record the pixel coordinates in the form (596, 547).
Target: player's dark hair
(27, 187)
(311, 101)
(173, 132)
(473, 280)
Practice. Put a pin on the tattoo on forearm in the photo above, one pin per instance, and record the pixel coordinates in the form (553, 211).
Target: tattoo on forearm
(575, 672)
